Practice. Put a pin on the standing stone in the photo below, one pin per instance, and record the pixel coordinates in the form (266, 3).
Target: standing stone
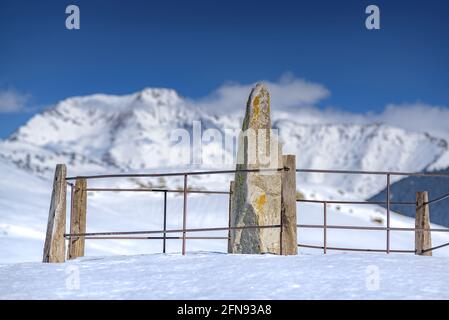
(257, 195)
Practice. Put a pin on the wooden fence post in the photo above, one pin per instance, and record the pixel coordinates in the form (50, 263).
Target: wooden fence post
(78, 219)
(54, 248)
(423, 238)
(289, 245)
(231, 200)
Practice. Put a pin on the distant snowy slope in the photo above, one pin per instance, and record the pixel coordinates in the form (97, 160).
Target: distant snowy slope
(23, 212)
(358, 147)
(405, 191)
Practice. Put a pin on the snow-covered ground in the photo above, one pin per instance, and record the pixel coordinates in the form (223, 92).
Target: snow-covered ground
(221, 276)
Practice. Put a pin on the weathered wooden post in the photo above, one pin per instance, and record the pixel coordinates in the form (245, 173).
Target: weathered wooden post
(78, 219)
(54, 248)
(289, 245)
(231, 200)
(423, 238)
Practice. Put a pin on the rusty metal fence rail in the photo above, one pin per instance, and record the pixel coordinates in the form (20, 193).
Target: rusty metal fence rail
(139, 235)
(388, 174)
(163, 233)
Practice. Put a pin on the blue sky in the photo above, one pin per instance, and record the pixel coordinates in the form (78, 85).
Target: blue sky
(197, 46)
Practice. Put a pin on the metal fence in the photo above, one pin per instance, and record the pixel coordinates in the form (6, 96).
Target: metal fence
(165, 234)
(138, 235)
(387, 202)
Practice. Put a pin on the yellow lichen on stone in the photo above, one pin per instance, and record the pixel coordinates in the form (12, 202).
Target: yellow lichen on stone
(256, 109)
(256, 102)
(260, 202)
(268, 104)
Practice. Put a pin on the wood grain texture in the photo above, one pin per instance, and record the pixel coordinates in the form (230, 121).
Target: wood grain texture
(423, 239)
(231, 201)
(288, 213)
(54, 247)
(78, 219)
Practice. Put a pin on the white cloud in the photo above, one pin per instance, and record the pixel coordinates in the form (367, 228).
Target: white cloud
(414, 117)
(418, 117)
(301, 97)
(13, 101)
(288, 92)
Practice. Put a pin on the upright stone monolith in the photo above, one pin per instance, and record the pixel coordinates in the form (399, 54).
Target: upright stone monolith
(257, 195)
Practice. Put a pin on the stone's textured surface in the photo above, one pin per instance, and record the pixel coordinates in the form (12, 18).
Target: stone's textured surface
(258, 109)
(257, 196)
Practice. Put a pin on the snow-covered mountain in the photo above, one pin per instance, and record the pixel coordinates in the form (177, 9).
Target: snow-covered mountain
(374, 147)
(105, 133)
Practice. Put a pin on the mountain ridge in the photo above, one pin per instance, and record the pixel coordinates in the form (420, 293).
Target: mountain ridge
(103, 133)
